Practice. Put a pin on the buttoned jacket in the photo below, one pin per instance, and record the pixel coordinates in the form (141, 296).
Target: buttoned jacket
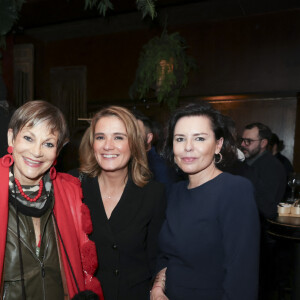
(127, 241)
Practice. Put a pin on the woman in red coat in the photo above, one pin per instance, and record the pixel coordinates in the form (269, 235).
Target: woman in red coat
(44, 249)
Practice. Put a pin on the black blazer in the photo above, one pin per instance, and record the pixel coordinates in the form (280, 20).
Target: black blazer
(127, 241)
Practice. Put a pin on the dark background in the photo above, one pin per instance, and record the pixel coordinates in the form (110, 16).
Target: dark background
(247, 52)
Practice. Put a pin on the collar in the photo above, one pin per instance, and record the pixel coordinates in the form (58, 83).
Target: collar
(251, 161)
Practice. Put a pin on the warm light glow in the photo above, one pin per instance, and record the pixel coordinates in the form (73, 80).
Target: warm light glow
(226, 98)
(163, 68)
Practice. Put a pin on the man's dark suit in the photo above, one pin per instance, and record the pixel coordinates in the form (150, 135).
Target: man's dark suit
(270, 188)
(270, 184)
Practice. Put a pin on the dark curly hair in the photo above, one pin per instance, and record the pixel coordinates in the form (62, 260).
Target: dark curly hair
(276, 141)
(263, 130)
(219, 124)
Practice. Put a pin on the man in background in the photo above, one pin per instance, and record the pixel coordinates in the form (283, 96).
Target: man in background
(161, 171)
(269, 171)
(270, 189)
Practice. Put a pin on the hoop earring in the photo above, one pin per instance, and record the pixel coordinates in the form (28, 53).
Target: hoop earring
(52, 173)
(8, 160)
(53, 170)
(220, 158)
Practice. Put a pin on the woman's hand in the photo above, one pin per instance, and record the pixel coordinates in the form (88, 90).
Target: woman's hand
(159, 285)
(157, 293)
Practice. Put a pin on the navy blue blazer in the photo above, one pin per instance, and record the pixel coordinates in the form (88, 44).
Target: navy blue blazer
(210, 241)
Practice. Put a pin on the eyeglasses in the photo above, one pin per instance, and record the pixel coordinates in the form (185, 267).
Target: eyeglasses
(247, 142)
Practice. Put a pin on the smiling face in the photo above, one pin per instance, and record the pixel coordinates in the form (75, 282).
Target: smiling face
(34, 151)
(111, 145)
(194, 145)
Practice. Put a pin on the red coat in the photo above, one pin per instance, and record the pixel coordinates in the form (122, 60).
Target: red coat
(74, 223)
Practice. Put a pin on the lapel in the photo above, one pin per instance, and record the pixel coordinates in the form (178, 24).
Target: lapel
(125, 211)
(128, 207)
(92, 198)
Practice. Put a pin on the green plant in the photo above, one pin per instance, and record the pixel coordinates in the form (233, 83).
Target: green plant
(163, 67)
(147, 7)
(9, 11)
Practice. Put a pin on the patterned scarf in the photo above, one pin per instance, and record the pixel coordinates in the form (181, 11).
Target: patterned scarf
(32, 209)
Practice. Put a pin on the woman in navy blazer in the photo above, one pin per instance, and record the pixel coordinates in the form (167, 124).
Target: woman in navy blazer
(127, 208)
(209, 242)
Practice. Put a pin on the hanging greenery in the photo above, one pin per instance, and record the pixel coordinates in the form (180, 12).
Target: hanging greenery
(102, 6)
(9, 11)
(163, 68)
(147, 7)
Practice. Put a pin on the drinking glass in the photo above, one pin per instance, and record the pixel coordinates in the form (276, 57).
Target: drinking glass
(293, 182)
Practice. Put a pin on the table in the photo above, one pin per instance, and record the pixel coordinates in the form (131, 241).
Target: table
(284, 227)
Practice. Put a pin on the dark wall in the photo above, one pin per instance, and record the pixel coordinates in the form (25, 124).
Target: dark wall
(297, 140)
(249, 55)
(245, 55)
(279, 113)
(7, 68)
(111, 62)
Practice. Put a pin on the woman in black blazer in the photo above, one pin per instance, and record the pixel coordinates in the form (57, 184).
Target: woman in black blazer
(127, 208)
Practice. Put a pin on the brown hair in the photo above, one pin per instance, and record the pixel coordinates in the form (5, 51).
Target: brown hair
(35, 112)
(138, 166)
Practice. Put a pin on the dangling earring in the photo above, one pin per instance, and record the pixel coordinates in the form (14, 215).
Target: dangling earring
(220, 158)
(8, 160)
(53, 170)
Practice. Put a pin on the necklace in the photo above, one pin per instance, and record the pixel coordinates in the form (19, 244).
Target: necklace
(114, 194)
(27, 197)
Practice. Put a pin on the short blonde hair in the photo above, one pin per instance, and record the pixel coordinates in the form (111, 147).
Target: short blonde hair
(138, 165)
(37, 111)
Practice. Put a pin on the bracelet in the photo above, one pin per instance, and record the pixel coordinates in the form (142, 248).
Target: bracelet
(156, 287)
(160, 282)
(163, 278)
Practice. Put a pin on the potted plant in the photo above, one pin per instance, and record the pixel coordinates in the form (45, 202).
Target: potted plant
(163, 69)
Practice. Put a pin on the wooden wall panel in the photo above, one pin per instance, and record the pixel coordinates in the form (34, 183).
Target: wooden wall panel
(277, 113)
(256, 54)
(297, 140)
(68, 92)
(249, 55)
